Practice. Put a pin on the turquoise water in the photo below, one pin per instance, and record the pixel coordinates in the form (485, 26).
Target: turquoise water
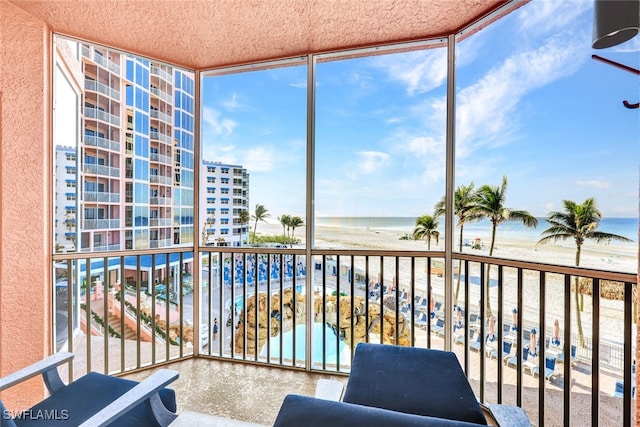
(627, 227)
(333, 346)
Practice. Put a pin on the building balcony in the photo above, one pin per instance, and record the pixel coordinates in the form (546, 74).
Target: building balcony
(159, 179)
(102, 170)
(352, 296)
(160, 136)
(99, 224)
(156, 114)
(160, 222)
(102, 197)
(100, 59)
(155, 157)
(98, 141)
(95, 113)
(161, 94)
(102, 88)
(162, 73)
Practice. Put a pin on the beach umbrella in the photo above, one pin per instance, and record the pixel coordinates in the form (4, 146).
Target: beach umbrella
(556, 333)
(533, 342)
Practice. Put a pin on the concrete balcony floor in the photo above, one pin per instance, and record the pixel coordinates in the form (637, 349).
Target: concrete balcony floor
(254, 393)
(239, 391)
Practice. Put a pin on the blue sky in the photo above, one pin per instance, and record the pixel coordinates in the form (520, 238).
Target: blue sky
(531, 105)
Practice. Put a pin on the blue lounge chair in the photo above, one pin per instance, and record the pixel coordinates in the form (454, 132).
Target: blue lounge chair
(512, 361)
(619, 392)
(506, 349)
(573, 355)
(549, 368)
(438, 328)
(422, 320)
(475, 345)
(94, 399)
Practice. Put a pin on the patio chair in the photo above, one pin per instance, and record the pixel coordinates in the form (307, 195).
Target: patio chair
(549, 368)
(619, 391)
(512, 361)
(94, 399)
(412, 380)
(438, 328)
(477, 344)
(506, 350)
(560, 356)
(460, 338)
(422, 320)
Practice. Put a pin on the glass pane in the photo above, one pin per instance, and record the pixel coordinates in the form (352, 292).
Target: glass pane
(254, 135)
(119, 111)
(380, 150)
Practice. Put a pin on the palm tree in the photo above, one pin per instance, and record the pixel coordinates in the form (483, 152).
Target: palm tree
(244, 218)
(489, 203)
(294, 222)
(261, 214)
(578, 221)
(463, 199)
(285, 220)
(426, 228)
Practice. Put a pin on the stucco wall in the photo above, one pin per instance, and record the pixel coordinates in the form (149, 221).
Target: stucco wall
(24, 199)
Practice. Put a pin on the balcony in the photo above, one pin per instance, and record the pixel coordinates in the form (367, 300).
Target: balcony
(95, 113)
(102, 170)
(161, 94)
(155, 157)
(160, 137)
(162, 73)
(103, 197)
(102, 88)
(98, 141)
(156, 114)
(343, 302)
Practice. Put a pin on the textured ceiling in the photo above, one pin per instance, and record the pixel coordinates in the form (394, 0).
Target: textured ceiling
(202, 34)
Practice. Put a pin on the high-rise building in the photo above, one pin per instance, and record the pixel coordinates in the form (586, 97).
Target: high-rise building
(224, 203)
(128, 180)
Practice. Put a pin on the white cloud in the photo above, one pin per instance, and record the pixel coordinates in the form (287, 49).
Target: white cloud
(371, 161)
(231, 104)
(299, 85)
(258, 159)
(594, 183)
(487, 110)
(214, 123)
(550, 16)
(420, 71)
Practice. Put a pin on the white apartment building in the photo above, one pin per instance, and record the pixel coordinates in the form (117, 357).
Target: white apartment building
(224, 196)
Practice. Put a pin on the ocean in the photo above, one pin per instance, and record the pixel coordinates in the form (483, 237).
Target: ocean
(627, 227)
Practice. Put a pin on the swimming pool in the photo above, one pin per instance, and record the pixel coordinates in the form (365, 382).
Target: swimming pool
(333, 346)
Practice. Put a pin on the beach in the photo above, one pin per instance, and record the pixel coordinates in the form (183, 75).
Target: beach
(618, 257)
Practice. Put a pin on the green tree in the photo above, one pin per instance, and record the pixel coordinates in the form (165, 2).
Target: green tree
(295, 221)
(463, 202)
(260, 214)
(490, 203)
(578, 221)
(244, 217)
(285, 220)
(426, 228)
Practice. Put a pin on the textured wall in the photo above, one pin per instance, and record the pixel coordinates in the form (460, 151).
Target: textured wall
(24, 201)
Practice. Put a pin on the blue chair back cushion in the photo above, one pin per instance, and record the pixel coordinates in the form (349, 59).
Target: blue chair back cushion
(90, 394)
(298, 411)
(412, 380)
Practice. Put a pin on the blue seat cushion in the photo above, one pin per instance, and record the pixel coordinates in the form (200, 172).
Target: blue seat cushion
(84, 397)
(297, 411)
(412, 380)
